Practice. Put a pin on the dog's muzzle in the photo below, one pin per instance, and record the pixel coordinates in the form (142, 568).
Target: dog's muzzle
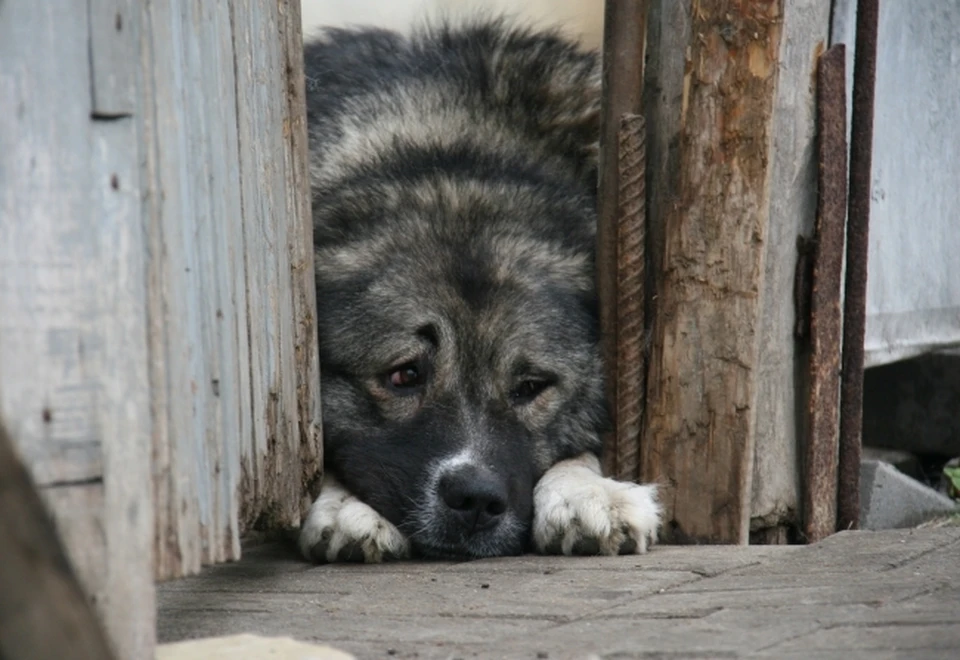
(469, 513)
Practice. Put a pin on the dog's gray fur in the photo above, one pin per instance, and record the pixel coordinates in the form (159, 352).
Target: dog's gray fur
(453, 179)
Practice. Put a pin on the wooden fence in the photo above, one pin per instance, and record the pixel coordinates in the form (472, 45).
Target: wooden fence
(157, 335)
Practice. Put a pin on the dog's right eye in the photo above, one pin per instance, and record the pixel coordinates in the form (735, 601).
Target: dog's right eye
(406, 378)
(529, 390)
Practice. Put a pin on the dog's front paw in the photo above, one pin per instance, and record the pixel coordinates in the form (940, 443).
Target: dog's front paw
(579, 511)
(340, 527)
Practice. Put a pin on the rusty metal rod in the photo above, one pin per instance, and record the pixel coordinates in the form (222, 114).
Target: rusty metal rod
(825, 333)
(623, 50)
(855, 285)
(631, 252)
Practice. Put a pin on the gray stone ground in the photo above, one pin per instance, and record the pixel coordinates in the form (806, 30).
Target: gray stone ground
(893, 594)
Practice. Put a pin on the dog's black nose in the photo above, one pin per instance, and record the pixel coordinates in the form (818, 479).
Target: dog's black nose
(476, 497)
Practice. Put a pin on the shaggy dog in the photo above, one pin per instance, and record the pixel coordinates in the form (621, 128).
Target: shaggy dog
(454, 205)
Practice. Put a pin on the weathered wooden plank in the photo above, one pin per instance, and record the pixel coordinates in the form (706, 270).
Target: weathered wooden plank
(47, 256)
(44, 613)
(126, 597)
(201, 112)
(249, 59)
(209, 124)
(114, 57)
(712, 200)
(72, 318)
(200, 325)
(232, 321)
(173, 319)
(227, 245)
(301, 258)
(778, 411)
(270, 494)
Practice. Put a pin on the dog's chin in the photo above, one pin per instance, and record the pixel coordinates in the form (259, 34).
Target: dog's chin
(480, 546)
(457, 552)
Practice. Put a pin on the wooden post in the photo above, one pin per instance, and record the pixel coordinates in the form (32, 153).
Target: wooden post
(234, 361)
(73, 353)
(709, 214)
(301, 259)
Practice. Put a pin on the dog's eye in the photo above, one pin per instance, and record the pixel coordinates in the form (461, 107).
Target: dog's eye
(406, 377)
(528, 390)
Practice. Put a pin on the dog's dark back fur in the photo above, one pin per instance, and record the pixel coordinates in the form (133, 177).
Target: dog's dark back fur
(454, 209)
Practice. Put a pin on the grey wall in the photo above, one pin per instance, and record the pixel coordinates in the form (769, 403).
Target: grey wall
(913, 287)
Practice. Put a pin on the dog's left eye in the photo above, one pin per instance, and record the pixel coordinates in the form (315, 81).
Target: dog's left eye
(406, 377)
(528, 390)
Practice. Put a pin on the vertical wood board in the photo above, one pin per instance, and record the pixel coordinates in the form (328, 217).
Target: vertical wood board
(779, 412)
(73, 386)
(711, 201)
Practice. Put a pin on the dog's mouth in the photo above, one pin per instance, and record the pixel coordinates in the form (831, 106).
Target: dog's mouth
(510, 538)
(468, 551)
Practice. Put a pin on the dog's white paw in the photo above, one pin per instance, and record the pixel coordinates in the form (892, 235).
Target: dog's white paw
(340, 527)
(578, 511)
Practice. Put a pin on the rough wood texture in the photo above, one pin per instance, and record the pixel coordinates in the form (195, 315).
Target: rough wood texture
(43, 611)
(194, 338)
(233, 347)
(624, 31)
(73, 383)
(823, 435)
(712, 200)
(779, 408)
(279, 274)
(301, 259)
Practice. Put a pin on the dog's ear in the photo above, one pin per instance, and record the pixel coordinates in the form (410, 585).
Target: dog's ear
(549, 84)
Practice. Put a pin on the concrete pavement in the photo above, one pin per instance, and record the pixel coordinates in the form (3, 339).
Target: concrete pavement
(892, 594)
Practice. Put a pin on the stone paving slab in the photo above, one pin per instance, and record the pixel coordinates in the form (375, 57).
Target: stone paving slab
(856, 594)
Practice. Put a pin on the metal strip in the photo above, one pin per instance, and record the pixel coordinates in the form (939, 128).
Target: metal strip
(631, 238)
(855, 285)
(822, 442)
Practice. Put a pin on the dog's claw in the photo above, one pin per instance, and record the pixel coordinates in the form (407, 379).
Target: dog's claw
(340, 527)
(577, 511)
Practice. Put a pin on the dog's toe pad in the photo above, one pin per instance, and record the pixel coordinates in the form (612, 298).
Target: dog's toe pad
(577, 511)
(340, 527)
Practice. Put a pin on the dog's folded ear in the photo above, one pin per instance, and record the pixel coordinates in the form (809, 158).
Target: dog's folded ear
(548, 84)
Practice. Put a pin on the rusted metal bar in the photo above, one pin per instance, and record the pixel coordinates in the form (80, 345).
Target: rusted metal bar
(823, 428)
(631, 238)
(855, 285)
(623, 49)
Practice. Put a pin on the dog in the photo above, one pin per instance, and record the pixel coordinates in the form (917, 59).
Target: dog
(453, 176)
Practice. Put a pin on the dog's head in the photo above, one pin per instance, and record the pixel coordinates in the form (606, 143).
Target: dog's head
(459, 354)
